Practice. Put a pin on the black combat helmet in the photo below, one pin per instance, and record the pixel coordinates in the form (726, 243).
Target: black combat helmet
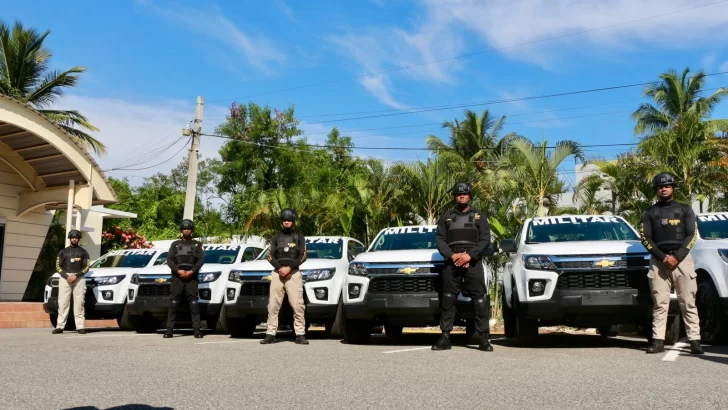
(186, 223)
(662, 179)
(74, 234)
(288, 214)
(461, 188)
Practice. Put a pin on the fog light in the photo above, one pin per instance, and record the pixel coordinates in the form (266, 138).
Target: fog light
(321, 293)
(231, 294)
(131, 294)
(537, 287)
(107, 294)
(205, 294)
(354, 290)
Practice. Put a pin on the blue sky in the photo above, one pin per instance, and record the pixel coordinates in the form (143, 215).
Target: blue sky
(148, 60)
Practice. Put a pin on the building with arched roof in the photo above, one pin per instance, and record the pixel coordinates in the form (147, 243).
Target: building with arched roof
(43, 169)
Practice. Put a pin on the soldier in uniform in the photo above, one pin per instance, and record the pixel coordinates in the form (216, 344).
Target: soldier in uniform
(286, 253)
(185, 258)
(72, 264)
(668, 231)
(463, 239)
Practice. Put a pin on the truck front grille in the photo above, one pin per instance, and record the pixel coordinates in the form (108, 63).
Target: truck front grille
(403, 285)
(154, 290)
(635, 279)
(255, 289)
(622, 263)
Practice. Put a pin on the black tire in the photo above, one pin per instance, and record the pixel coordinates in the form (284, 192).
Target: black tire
(142, 324)
(123, 320)
(526, 329)
(713, 322)
(217, 323)
(240, 328)
(393, 331)
(672, 330)
(509, 318)
(335, 329)
(70, 322)
(357, 332)
(377, 329)
(608, 331)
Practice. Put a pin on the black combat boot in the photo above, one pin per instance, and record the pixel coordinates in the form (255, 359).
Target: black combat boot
(443, 343)
(57, 331)
(301, 340)
(485, 342)
(168, 334)
(198, 334)
(695, 347)
(657, 346)
(268, 340)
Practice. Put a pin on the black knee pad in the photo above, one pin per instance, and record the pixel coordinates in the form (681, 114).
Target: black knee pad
(480, 305)
(448, 300)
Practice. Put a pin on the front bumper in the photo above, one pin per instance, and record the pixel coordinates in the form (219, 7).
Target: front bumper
(256, 308)
(403, 310)
(158, 307)
(594, 308)
(93, 309)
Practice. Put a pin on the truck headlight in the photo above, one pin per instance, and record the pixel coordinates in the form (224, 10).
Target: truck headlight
(357, 269)
(538, 262)
(109, 280)
(723, 254)
(320, 274)
(208, 277)
(235, 276)
(53, 281)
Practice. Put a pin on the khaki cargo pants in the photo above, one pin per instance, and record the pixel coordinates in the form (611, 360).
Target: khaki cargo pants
(65, 290)
(293, 287)
(686, 286)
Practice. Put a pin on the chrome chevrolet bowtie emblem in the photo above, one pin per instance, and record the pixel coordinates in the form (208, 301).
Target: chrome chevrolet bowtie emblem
(268, 278)
(604, 263)
(160, 280)
(407, 271)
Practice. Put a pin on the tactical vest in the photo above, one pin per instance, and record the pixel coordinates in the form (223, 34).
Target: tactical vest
(73, 258)
(462, 232)
(668, 226)
(186, 256)
(286, 249)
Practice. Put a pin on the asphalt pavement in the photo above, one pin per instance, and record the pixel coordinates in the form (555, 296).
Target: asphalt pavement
(108, 369)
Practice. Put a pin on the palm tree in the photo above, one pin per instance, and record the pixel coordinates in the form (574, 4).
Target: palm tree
(25, 76)
(427, 188)
(585, 196)
(536, 169)
(675, 95)
(377, 193)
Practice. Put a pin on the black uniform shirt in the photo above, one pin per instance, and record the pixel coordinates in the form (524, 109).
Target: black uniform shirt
(198, 252)
(300, 244)
(481, 222)
(659, 247)
(73, 260)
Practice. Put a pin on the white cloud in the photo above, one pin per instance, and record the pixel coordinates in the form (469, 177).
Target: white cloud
(133, 131)
(258, 50)
(724, 67)
(287, 10)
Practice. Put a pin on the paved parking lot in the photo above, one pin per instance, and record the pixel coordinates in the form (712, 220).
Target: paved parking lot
(113, 369)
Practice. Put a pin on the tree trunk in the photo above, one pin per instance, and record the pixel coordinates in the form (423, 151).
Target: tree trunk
(540, 205)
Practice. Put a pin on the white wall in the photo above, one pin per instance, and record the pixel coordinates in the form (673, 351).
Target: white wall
(24, 237)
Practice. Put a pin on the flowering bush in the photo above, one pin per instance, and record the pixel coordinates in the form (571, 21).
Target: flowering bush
(117, 238)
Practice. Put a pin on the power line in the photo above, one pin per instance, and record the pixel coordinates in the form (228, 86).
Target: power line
(152, 166)
(134, 160)
(491, 50)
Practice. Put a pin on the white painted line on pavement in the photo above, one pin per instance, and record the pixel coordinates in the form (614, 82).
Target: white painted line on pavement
(226, 341)
(89, 336)
(675, 351)
(408, 350)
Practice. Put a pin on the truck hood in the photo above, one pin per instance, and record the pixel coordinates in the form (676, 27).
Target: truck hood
(585, 248)
(264, 266)
(405, 256)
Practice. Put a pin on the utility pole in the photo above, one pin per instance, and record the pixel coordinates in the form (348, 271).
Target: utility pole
(192, 164)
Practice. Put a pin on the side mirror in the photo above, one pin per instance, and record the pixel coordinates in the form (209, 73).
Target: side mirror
(508, 245)
(357, 250)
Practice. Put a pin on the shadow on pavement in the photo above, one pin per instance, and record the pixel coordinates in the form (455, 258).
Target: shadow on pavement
(715, 354)
(123, 407)
(572, 341)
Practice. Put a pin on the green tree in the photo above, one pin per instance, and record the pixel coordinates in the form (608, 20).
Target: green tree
(25, 75)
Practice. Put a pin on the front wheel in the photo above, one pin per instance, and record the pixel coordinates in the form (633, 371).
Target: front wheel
(217, 323)
(335, 329)
(509, 318)
(713, 322)
(526, 329)
(608, 331)
(123, 320)
(672, 331)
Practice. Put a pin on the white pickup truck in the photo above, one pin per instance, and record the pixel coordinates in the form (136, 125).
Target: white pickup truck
(107, 284)
(587, 271)
(710, 253)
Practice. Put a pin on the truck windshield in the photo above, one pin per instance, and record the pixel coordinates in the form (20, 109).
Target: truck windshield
(319, 248)
(579, 228)
(713, 226)
(125, 259)
(405, 238)
(222, 254)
